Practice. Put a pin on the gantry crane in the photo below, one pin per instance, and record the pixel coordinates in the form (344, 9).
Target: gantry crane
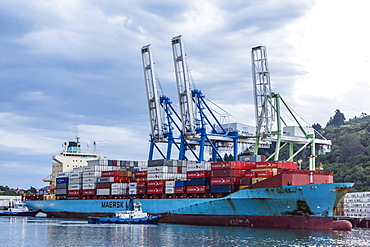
(194, 109)
(268, 111)
(164, 119)
(197, 125)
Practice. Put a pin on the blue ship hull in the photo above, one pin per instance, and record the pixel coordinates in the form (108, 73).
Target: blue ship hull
(299, 206)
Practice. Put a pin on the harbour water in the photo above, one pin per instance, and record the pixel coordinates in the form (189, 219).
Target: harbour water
(41, 231)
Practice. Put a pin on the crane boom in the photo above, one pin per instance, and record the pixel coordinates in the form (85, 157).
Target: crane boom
(264, 108)
(183, 87)
(152, 92)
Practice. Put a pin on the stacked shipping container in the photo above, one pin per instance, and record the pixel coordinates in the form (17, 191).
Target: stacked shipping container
(172, 178)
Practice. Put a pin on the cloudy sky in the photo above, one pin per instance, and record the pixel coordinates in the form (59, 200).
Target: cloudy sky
(73, 68)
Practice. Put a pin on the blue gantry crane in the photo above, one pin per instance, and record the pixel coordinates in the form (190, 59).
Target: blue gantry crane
(196, 124)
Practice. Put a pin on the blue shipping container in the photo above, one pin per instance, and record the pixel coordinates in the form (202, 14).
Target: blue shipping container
(223, 188)
(62, 180)
(198, 181)
(180, 183)
(62, 186)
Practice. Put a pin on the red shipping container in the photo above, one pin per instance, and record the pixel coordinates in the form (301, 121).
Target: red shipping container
(141, 174)
(156, 183)
(232, 165)
(264, 174)
(225, 180)
(227, 173)
(155, 190)
(103, 185)
(198, 174)
(141, 185)
(179, 190)
(249, 174)
(277, 164)
(88, 192)
(179, 169)
(114, 162)
(196, 189)
(73, 192)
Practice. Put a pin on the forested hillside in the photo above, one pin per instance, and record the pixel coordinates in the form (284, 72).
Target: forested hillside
(350, 155)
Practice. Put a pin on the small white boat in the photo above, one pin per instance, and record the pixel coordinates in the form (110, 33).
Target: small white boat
(134, 215)
(19, 209)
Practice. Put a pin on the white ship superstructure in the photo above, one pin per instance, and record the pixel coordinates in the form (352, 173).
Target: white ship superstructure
(70, 157)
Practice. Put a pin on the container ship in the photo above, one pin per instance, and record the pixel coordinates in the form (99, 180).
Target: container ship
(233, 193)
(248, 191)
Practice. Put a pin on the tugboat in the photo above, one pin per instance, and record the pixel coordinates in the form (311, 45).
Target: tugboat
(134, 215)
(19, 209)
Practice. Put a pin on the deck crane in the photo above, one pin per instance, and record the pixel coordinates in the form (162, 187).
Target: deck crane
(268, 111)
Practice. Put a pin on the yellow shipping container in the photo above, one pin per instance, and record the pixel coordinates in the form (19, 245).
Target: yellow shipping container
(274, 170)
(256, 180)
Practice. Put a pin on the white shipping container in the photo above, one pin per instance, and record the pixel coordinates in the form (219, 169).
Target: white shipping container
(92, 168)
(78, 169)
(62, 174)
(132, 185)
(199, 166)
(116, 186)
(88, 180)
(108, 168)
(118, 192)
(74, 175)
(153, 169)
(103, 192)
(158, 176)
(88, 186)
(89, 174)
(170, 184)
(142, 168)
(75, 181)
(170, 190)
(132, 191)
(99, 162)
(142, 164)
(74, 186)
(105, 179)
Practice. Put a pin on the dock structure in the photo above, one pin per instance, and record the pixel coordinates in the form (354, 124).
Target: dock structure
(355, 207)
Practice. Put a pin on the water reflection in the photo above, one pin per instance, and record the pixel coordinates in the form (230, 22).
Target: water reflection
(29, 231)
